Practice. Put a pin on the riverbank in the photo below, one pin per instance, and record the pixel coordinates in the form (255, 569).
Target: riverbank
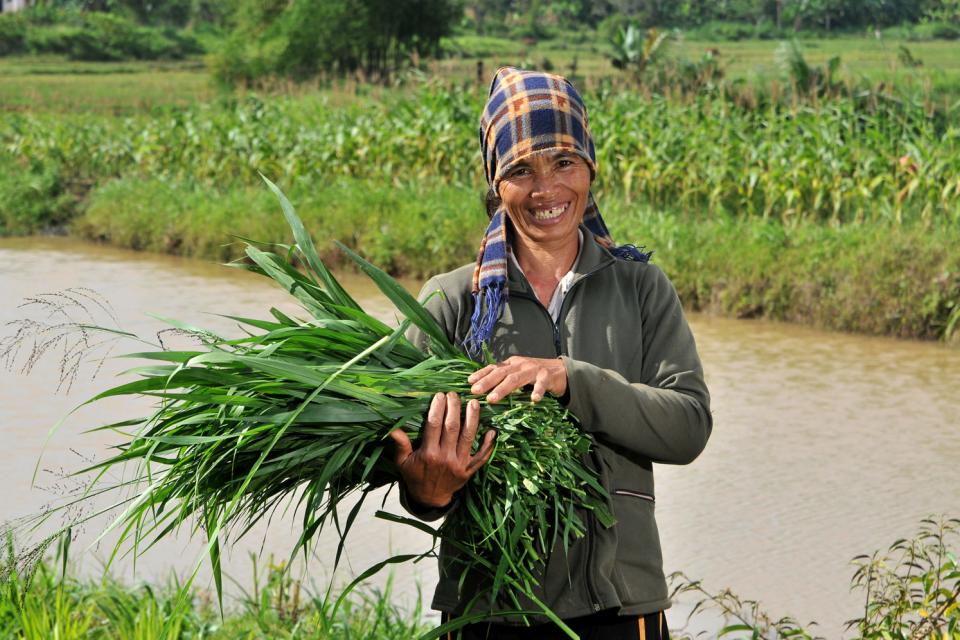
(50, 600)
(55, 602)
(875, 277)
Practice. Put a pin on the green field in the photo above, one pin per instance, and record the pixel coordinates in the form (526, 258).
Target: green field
(51, 83)
(755, 61)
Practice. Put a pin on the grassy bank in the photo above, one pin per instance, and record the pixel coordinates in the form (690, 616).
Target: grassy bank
(910, 591)
(53, 603)
(874, 277)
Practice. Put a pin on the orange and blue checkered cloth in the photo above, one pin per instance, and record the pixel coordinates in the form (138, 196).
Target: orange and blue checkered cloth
(527, 112)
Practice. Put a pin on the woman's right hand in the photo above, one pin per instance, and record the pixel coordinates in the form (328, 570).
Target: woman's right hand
(442, 463)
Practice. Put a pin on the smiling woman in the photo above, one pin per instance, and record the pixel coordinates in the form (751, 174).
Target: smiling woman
(553, 303)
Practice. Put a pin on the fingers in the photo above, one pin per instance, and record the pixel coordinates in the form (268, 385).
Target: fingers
(451, 423)
(487, 378)
(510, 383)
(499, 380)
(480, 373)
(432, 428)
(469, 430)
(404, 448)
(540, 385)
(481, 457)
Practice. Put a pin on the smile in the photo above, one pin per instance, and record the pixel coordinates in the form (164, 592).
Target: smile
(551, 213)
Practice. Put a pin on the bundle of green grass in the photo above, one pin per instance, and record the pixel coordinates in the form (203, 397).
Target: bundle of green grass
(301, 408)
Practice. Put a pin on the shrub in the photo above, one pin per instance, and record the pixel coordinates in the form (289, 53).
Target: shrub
(58, 39)
(13, 30)
(95, 36)
(729, 31)
(937, 31)
(32, 198)
(108, 36)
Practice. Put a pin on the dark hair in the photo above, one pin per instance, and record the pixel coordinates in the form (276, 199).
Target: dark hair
(492, 202)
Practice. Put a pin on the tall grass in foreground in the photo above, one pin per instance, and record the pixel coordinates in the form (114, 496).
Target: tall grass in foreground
(51, 601)
(909, 593)
(301, 409)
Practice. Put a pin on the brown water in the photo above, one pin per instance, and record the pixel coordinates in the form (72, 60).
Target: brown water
(825, 445)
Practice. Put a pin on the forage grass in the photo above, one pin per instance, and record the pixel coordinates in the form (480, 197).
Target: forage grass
(300, 409)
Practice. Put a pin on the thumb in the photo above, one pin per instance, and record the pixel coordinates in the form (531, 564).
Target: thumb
(404, 449)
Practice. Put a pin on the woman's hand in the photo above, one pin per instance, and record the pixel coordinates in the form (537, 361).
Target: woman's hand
(442, 463)
(499, 380)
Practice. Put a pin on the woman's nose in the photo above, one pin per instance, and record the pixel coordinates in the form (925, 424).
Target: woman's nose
(544, 183)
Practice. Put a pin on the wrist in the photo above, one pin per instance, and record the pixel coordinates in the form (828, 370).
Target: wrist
(561, 386)
(434, 502)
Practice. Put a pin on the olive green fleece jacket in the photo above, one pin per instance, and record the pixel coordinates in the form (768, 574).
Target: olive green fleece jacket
(635, 383)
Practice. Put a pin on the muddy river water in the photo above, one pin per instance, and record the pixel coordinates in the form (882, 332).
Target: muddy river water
(825, 445)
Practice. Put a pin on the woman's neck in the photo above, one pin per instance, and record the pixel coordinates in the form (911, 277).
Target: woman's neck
(545, 264)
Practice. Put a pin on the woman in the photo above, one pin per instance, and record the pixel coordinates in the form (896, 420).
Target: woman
(561, 308)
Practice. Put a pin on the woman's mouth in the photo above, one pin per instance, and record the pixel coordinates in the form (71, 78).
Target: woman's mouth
(545, 214)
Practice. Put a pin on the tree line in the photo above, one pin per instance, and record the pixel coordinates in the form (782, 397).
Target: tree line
(373, 38)
(796, 14)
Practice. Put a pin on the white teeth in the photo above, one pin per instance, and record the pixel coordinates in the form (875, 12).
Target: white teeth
(547, 214)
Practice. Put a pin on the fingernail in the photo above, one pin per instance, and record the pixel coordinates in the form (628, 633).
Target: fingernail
(475, 389)
(474, 404)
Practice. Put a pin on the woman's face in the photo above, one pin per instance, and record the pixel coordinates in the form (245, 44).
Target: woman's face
(546, 195)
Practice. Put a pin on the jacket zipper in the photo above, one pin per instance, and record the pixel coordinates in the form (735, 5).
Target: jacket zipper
(591, 521)
(634, 494)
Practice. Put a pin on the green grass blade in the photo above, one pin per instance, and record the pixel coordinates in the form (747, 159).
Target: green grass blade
(309, 251)
(407, 305)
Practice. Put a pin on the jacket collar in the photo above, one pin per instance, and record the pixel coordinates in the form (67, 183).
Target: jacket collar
(592, 257)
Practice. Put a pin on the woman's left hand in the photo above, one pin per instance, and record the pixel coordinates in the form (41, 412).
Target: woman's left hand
(499, 380)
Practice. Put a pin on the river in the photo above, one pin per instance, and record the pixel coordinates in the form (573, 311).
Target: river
(825, 445)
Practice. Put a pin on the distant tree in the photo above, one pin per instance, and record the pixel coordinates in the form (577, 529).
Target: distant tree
(300, 38)
(943, 11)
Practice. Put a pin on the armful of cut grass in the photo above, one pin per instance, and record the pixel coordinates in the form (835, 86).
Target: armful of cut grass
(303, 408)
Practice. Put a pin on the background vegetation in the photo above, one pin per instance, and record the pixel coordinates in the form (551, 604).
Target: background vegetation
(812, 180)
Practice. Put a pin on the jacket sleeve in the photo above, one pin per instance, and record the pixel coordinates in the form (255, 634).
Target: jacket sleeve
(664, 415)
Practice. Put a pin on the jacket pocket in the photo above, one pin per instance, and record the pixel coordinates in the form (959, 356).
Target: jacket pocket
(638, 573)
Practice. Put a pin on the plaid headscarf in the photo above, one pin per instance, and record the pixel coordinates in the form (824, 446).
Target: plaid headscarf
(526, 113)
